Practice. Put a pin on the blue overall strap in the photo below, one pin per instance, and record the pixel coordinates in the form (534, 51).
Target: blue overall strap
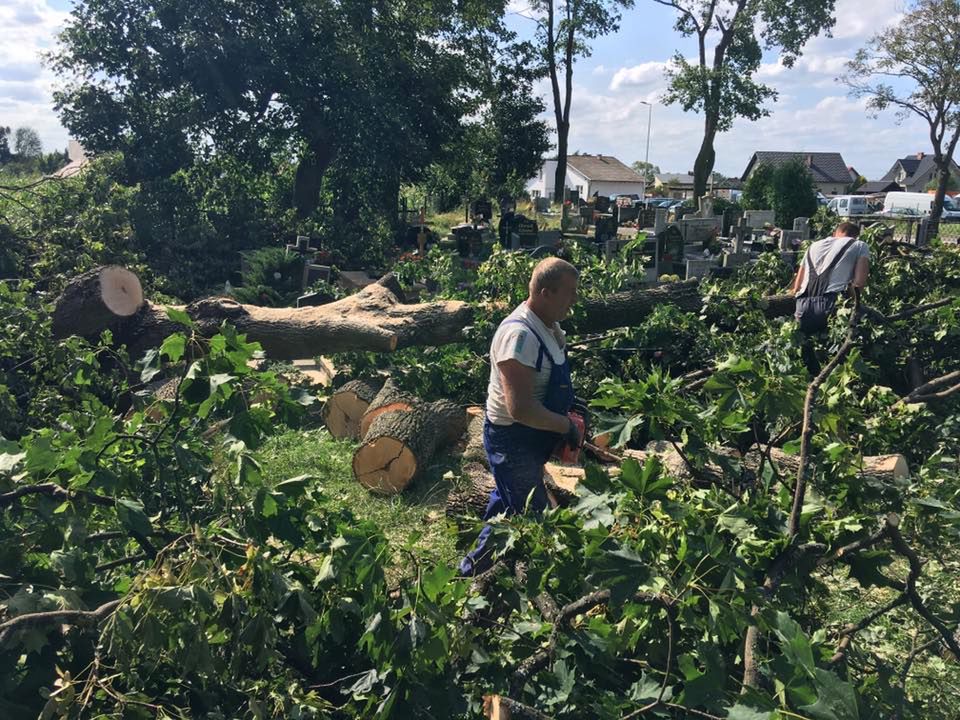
(543, 345)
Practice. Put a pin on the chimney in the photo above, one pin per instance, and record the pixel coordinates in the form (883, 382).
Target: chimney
(809, 161)
(920, 155)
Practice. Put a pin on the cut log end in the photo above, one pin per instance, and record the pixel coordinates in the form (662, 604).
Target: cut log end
(385, 466)
(344, 416)
(120, 291)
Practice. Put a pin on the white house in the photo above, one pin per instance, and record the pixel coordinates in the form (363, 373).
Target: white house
(588, 175)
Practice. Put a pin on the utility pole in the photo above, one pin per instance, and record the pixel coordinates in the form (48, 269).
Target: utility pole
(646, 158)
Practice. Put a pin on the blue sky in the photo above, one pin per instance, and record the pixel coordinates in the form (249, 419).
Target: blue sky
(813, 112)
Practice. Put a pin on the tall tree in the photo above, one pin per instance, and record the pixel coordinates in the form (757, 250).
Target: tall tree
(375, 87)
(731, 36)
(914, 67)
(26, 143)
(647, 170)
(5, 153)
(564, 33)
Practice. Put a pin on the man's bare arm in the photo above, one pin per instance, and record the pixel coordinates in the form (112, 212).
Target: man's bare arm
(517, 381)
(798, 280)
(860, 272)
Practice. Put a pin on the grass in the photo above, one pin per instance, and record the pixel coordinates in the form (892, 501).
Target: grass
(441, 223)
(414, 519)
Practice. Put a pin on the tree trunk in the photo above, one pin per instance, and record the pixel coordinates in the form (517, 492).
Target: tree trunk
(399, 445)
(943, 171)
(389, 399)
(96, 300)
(882, 468)
(373, 319)
(560, 174)
(703, 165)
(345, 409)
(632, 307)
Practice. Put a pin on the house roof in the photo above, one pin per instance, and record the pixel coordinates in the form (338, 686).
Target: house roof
(877, 186)
(826, 167)
(602, 167)
(675, 179)
(913, 165)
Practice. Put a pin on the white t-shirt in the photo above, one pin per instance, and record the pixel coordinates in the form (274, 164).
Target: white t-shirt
(822, 252)
(514, 341)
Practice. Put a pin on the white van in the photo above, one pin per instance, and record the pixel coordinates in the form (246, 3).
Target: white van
(907, 203)
(847, 205)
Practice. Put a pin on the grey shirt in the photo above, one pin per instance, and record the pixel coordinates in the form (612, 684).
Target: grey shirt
(822, 253)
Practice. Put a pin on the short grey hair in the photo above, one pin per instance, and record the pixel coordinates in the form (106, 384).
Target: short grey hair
(546, 275)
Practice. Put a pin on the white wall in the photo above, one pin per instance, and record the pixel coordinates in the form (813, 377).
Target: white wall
(616, 188)
(543, 183)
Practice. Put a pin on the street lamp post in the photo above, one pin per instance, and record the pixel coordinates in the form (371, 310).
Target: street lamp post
(646, 159)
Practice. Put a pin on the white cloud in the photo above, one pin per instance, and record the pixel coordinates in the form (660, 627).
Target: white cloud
(644, 74)
(30, 27)
(600, 70)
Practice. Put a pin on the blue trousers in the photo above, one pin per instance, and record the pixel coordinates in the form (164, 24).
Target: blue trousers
(517, 454)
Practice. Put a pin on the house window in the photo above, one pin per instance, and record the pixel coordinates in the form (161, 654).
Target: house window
(580, 190)
(535, 193)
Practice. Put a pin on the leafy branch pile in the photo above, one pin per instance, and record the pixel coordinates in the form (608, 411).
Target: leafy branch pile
(150, 567)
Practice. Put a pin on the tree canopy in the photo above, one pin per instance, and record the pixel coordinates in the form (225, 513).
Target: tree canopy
(731, 36)
(787, 189)
(914, 69)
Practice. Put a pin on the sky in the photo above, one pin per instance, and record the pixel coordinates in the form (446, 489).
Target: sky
(813, 111)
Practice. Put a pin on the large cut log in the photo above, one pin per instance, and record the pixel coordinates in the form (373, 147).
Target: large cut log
(400, 444)
(345, 408)
(376, 318)
(390, 398)
(96, 300)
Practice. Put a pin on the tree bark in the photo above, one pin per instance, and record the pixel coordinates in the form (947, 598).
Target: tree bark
(346, 407)
(389, 399)
(376, 318)
(703, 165)
(96, 300)
(399, 445)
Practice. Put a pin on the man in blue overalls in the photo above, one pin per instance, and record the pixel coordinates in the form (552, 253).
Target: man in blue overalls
(528, 398)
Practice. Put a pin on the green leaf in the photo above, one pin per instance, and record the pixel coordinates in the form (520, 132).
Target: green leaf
(179, 316)
(174, 346)
(133, 517)
(836, 699)
(269, 506)
(794, 642)
(434, 582)
(743, 712)
(866, 567)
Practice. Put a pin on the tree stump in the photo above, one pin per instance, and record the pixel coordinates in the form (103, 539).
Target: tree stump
(400, 444)
(346, 407)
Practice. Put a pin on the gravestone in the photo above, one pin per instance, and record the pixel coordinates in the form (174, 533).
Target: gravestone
(735, 259)
(790, 239)
(706, 207)
(659, 220)
(524, 233)
(802, 226)
(313, 273)
(481, 208)
(700, 267)
(542, 204)
(699, 230)
(759, 218)
(740, 236)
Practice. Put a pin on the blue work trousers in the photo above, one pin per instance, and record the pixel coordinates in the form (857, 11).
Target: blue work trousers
(517, 454)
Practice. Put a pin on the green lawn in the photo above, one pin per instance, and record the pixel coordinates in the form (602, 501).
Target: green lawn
(415, 518)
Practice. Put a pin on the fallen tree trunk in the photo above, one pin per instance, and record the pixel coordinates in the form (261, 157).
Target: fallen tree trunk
(390, 398)
(376, 318)
(96, 300)
(345, 409)
(400, 444)
(882, 468)
(471, 495)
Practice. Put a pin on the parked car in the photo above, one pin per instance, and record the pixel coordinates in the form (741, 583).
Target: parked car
(849, 205)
